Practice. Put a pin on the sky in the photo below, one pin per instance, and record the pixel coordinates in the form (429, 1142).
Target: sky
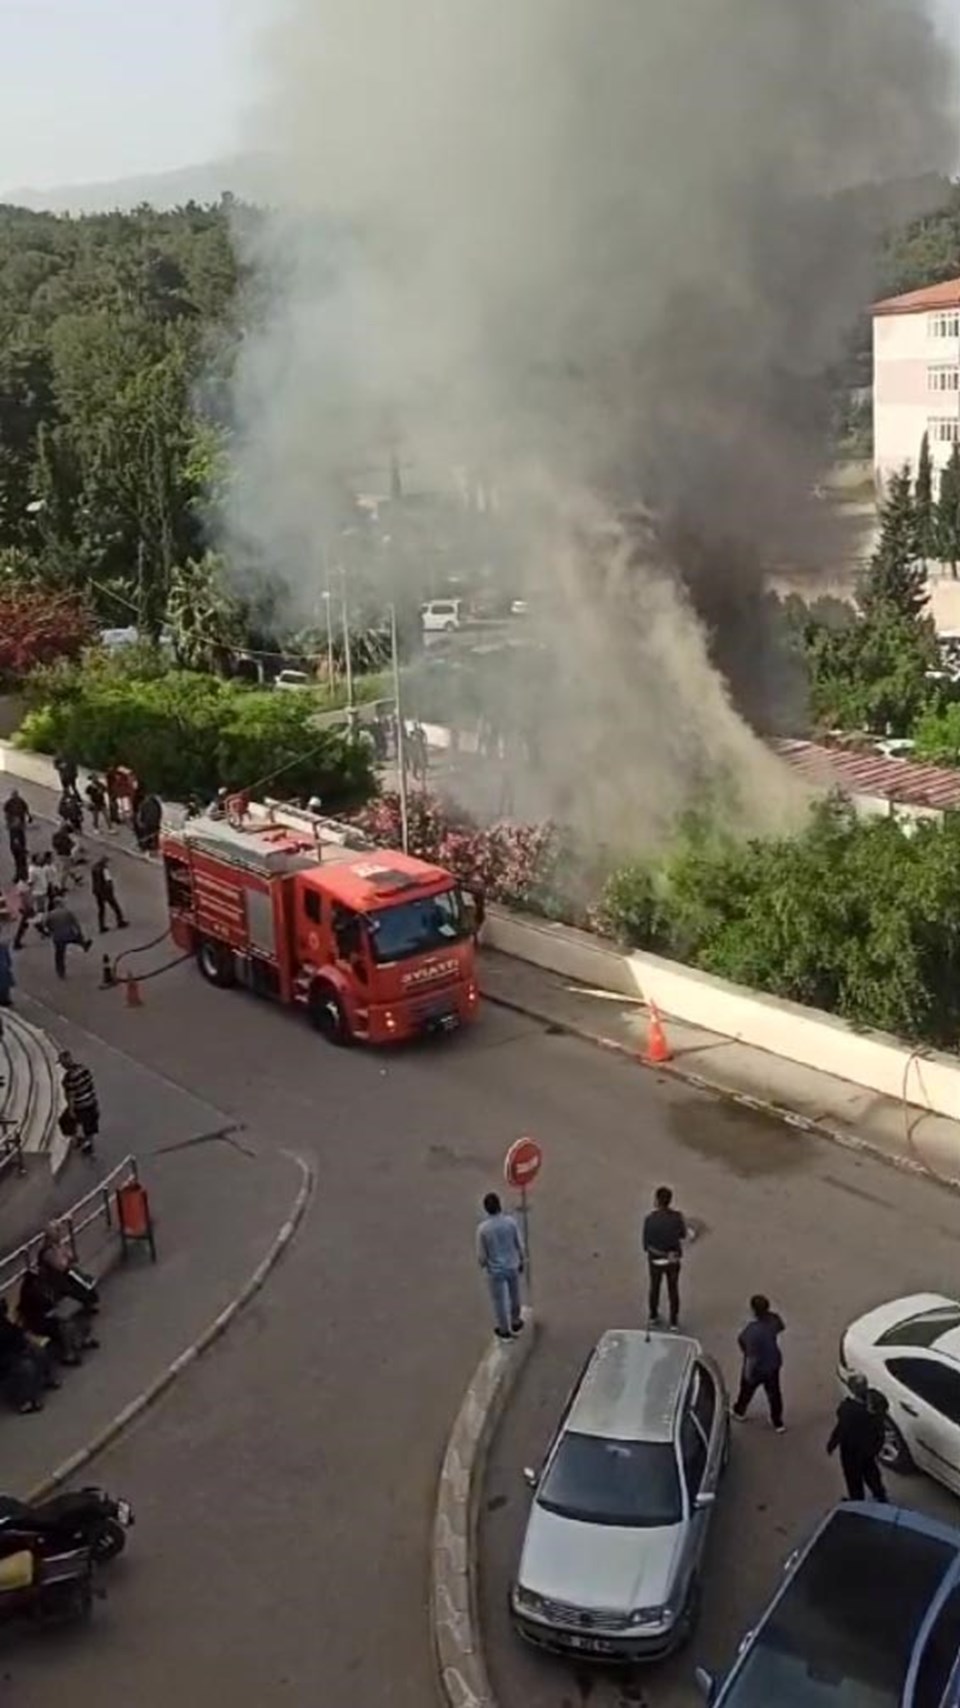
(103, 89)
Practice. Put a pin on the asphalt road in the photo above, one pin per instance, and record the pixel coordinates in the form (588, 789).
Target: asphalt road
(285, 1487)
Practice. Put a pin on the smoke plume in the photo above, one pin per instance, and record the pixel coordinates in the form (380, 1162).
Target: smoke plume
(597, 256)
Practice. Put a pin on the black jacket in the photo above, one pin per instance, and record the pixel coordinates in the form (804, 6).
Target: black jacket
(858, 1432)
(664, 1232)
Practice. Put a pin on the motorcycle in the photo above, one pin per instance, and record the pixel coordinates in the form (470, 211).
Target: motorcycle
(49, 1589)
(80, 1518)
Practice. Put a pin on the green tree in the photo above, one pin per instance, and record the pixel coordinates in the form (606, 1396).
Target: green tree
(896, 576)
(871, 675)
(948, 513)
(205, 621)
(923, 500)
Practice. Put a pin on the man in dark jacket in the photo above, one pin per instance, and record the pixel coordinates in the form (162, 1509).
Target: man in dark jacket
(62, 926)
(664, 1231)
(858, 1433)
(104, 893)
(759, 1342)
(148, 818)
(17, 815)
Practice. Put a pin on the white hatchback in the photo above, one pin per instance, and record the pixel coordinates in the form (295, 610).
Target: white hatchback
(909, 1351)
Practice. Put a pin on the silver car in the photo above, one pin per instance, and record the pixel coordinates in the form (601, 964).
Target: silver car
(614, 1544)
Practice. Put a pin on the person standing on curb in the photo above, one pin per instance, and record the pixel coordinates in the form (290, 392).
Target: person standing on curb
(664, 1232)
(858, 1433)
(759, 1342)
(105, 894)
(83, 1106)
(96, 794)
(500, 1255)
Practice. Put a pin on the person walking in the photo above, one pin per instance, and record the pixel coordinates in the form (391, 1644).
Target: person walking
(80, 1096)
(66, 768)
(6, 975)
(501, 1257)
(63, 844)
(664, 1233)
(25, 907)
(111, 782)
(759, 1342)
(63, 928)
(96, 793)
(105, 894)
(17, 815)
(858, 1434)
(147, 820)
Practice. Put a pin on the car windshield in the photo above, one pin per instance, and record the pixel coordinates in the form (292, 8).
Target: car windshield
(414, 927)
(922, 1330)
(601, 1481)
(843, 1633)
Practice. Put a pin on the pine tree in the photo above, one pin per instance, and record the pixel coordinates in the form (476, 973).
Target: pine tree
(948, 513)
(923, 502)
(896, 577)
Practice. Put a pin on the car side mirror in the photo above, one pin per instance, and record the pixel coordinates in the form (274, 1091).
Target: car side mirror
(530, 1476)
(704, 1500)
(706, 1683)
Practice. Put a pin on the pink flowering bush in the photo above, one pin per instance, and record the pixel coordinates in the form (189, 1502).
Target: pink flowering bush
(508, 862)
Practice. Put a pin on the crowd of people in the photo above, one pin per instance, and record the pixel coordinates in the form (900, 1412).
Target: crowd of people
(48, 873)
(860, 1427)
(52, 1324)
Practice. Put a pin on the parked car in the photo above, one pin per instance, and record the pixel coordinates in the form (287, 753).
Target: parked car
(294, 680)
(442, 616)
(910, 1351)
(867, 1616)
(614, 1543)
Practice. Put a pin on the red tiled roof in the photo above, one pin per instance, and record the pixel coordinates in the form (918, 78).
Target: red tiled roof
(858, 773)
(931, 297)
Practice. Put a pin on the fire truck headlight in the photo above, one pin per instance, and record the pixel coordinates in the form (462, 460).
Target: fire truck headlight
(389, 1021)
(471, 993)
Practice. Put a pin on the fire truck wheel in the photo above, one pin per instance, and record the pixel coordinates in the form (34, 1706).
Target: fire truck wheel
(216, 963)
(327, 1015)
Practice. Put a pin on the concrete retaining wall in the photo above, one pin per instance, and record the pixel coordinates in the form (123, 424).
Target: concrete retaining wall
(926, 1078)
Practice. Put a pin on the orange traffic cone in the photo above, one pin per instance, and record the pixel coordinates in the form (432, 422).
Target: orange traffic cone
(131, 991)
(658, 1050)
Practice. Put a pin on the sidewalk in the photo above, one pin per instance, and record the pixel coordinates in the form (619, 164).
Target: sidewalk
(846, 1113)
(218, 1197)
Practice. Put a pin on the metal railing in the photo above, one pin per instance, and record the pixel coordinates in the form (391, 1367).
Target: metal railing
(95, 1210)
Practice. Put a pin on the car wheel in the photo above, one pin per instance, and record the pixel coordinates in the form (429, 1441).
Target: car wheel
(216, 964)
(328, 1016)
(448, 628)
(894, 1455)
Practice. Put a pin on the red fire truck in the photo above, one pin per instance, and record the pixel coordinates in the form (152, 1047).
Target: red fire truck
(375, 945)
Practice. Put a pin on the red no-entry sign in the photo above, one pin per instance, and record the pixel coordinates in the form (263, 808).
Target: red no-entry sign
(521, 1165)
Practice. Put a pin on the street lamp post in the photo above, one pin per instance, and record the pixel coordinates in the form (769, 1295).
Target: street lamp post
(329, 614)
(401, 733)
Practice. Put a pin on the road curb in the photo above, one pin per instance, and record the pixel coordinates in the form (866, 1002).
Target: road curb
(142, 1403)
(844, 1137)
(454, 1615)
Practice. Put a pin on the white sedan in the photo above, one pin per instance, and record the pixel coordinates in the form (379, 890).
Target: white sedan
(909, 1351)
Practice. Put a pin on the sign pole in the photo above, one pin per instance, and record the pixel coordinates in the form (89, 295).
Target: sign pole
(527, 1260)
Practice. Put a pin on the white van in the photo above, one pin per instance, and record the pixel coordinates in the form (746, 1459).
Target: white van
(441, 616)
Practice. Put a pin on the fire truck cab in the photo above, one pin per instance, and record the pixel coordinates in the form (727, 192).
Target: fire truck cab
(375, 945)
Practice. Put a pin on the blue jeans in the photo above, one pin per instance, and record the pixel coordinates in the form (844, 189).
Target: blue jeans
(504, 1287)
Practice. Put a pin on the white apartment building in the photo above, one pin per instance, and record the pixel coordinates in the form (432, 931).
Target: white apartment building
(916, 377)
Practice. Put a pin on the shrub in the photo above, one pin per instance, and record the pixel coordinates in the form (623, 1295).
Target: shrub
(506, 861)
(37, 627)
(185, 733)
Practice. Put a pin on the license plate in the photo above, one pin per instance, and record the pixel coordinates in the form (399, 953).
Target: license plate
(124, 1513)
(588, 1645)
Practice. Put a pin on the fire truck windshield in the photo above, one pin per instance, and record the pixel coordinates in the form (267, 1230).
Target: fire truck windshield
(415, 927)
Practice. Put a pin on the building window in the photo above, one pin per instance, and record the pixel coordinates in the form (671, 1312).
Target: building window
(943, 378)
(944, 430)
(945, 325)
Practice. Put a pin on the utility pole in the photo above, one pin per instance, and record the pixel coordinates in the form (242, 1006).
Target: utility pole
(348, 662)
(328, 603)
(401, 733)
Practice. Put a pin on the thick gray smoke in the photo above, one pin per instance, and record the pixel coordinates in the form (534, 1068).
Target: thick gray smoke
(598, 255)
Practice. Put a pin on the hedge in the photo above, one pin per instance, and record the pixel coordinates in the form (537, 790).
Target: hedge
(185, 733)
